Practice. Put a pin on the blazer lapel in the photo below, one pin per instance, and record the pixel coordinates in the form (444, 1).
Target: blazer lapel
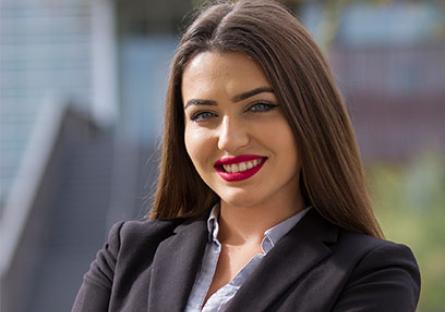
(175, 265)
(298, 251)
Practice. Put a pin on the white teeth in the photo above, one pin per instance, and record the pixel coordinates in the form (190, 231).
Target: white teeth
(242, 166)
(246, 165)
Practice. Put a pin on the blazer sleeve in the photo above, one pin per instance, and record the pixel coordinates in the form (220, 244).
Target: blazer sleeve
(94, 293)
(386, 279)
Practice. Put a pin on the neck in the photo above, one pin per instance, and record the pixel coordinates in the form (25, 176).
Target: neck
(246, 225)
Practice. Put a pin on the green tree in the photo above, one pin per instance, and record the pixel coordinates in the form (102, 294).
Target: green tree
(409, 203)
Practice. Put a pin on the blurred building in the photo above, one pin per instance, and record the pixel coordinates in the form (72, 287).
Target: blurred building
(82, 84)
(389, 61)
(58, 103)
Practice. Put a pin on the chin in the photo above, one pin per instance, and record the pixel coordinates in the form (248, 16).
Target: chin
(241, 199)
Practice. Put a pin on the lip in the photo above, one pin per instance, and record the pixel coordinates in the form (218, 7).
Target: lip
(238, 176)
(228, 160)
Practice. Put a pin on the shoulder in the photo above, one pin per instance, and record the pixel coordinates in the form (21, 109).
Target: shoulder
(377, 269)
(136, 229)
(363, 272)
(130, 238)
(368, 249)
(134, 233)
(352, 248)
(130, 248)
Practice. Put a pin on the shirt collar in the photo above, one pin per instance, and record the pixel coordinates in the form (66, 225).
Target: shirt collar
(212, 223)
(271, 235)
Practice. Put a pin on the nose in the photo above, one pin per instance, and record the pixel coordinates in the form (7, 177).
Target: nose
(232, 135)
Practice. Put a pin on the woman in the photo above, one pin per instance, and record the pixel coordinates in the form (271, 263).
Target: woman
(261, 203)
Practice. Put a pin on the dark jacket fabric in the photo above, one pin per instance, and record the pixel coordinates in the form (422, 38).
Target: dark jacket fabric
(316, 266)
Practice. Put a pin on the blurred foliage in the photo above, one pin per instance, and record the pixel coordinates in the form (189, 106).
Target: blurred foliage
(409, 202)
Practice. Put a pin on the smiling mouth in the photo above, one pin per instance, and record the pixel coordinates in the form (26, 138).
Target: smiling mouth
(242, 166)
(241, 170)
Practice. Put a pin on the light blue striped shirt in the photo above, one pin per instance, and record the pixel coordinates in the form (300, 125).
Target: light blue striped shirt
(219, 300)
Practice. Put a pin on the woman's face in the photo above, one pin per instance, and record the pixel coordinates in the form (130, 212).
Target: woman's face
(235, 132)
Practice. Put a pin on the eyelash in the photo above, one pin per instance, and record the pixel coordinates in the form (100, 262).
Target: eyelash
(198, 116)
(268, 106)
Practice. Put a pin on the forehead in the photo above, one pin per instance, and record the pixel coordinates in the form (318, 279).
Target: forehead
(215, 74)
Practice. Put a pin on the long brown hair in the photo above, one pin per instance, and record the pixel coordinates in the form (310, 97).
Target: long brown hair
(332, 177)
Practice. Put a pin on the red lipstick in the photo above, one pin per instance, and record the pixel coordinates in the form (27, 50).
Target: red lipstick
(241, 175)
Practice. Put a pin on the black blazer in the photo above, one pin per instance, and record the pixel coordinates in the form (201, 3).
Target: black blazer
(316, 266)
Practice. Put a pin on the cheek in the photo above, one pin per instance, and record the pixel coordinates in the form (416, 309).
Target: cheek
(198, 145)
(277, 133)
(190, 144)
(285, 144)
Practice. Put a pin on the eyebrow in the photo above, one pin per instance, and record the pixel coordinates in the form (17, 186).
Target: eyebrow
(236, 98)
